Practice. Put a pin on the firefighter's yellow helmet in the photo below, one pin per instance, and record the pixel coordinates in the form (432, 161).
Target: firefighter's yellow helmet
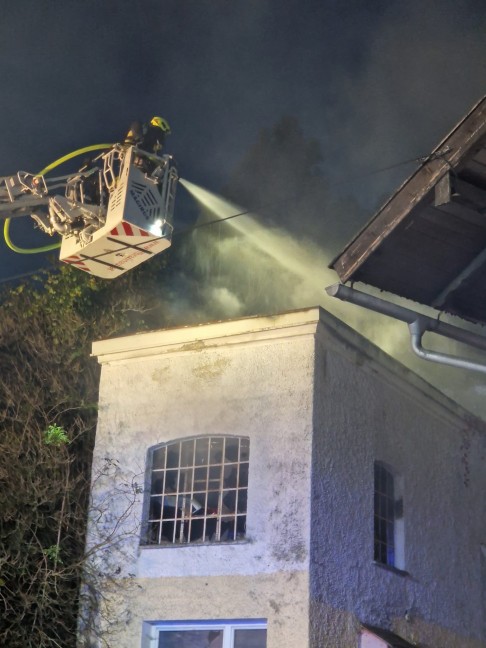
(161, 123)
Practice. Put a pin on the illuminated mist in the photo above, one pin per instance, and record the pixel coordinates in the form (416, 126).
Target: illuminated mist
(263, 270)
(306, 262)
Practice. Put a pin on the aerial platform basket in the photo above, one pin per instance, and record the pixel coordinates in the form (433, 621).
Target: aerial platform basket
(139, 216)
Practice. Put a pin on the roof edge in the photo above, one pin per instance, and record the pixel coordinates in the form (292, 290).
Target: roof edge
(195, 338)
(444, 157)
(314, 321)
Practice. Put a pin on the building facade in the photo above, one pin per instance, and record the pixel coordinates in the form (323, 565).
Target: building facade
(274, 482)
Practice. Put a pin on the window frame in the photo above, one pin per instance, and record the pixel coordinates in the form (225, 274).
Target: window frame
(151, 629)
(195, 514)
(394, 524)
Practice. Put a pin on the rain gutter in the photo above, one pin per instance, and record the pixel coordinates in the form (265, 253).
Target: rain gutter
(418, 325)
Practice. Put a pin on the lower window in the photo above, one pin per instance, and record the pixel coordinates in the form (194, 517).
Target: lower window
(388, 517)
(205, 634)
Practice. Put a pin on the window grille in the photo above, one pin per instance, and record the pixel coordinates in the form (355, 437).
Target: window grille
(384, 515)
(198, 490)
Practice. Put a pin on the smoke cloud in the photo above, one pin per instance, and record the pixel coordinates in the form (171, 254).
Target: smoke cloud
(374, 84)
(257, 269)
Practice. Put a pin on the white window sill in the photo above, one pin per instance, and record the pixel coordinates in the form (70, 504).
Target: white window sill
(188, 545)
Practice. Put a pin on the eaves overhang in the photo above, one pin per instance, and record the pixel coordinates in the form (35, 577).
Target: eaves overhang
(428, 242)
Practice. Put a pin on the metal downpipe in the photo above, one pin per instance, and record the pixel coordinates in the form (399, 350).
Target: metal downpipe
(418, 324)
(416, 334)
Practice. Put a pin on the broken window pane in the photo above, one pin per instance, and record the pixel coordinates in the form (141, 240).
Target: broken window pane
(198, 490)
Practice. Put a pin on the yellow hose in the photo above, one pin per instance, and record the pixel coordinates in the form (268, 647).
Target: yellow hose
(49, 167)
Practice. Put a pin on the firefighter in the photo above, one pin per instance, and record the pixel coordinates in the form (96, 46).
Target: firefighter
(149, 137)
(91, 182)
(154, 135)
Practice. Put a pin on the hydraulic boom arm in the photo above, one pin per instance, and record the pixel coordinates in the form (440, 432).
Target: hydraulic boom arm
(113, 214)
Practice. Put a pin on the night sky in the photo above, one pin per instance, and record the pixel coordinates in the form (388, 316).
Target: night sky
(376, 83)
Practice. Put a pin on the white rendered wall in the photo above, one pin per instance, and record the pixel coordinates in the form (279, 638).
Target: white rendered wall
(317, 420)
(259, 387)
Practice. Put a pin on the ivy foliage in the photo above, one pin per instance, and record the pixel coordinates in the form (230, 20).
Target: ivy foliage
(48, 395)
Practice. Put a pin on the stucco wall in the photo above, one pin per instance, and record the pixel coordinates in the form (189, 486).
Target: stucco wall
(319, 405)
(260, 388)
(364, 413)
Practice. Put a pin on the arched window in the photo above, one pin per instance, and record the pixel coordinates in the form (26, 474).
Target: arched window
(388, 517)
(197, 491)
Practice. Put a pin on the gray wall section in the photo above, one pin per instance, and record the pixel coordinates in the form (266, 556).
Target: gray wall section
(360, 415)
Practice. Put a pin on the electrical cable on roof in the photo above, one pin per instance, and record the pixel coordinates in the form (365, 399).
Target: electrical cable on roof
(217, 220)
(421, 159)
